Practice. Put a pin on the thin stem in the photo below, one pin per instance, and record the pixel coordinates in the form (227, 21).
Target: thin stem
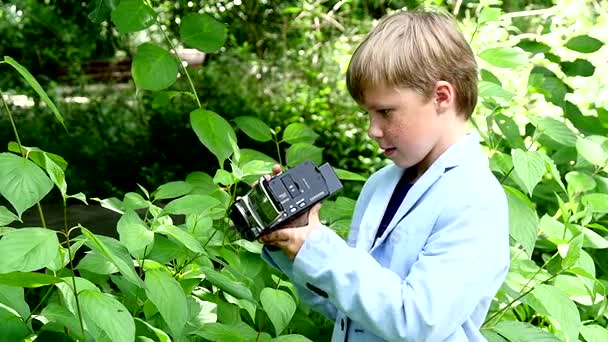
(10, 116)
(39, 304)
(179, 61)
(70, 256)
(277, 142)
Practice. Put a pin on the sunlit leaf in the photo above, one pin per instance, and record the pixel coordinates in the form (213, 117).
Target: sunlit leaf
(279, 306)
(509, 129)
(553, 303)
(347, 175)
(556, 130)
(6, 216)
(182, 236)
(504, 57)
(172, 190)
(584, 44)
(523, 220)
(191, 204)
(13, 297)
(214, 132)
(255, 128)
(299, 133)
(580, 67)
(594, 333)
(220, 332)
(28, 249)
(579, 181)
(134, 234)
(153, 68)
(108, 314)
(529, 166)
(201, 31)
(488, 14)
(168, 296)
(132, 16)
(28, 279)
(592, 151)
(301, 152)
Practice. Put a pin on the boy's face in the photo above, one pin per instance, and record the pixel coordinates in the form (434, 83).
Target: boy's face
(407, 126)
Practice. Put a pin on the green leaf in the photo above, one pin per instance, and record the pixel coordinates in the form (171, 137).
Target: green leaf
(571, 251)
(578, 289)
(191, 204)
(59, 314)
(134, 234)
(593, 239)
(550, 301)
(594, 333)
(509, 129)
(28, 279)
(279, 306)
(37, 88)
(56, 174)
(201, 31)
(592, 151)
(219, 332)
(201, 312)
(37, 155)
(584, 44)
(214, 132)
(182, 236)
(6, 216)
(12, 327)
(22, 183)
(108, 314)
(533, 46)
(299, 133)
(172, 190)
(529, 166)
(488, 14)
(227, 284)
(161, 335)
(301, 152)
(257, 168)
(291, 338)
(579, 182)
(14, 298)
(101, 10)
(579, 67)
(132, 16)
(169, 298)
(153, 68)
(523, 332)
(28, 249)
(597, 203)
(491, 89)
(202, 183)
(255, 128)
(504, 57)
(347, 175)
(134, 201)
(556, 130)
(115, 253)
(95, 263)
(523, 220)
(223, 177)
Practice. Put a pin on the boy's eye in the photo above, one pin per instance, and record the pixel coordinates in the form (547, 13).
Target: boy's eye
(384, 112)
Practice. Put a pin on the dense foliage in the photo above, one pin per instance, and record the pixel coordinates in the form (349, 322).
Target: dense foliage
(177, 271)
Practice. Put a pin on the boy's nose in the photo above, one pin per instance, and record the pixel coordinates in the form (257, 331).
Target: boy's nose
(374, 131)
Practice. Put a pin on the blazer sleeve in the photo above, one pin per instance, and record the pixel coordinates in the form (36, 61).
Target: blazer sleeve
(463, 263)
(313, 296)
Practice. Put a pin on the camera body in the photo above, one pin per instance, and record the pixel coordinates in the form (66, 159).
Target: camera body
(275, 202)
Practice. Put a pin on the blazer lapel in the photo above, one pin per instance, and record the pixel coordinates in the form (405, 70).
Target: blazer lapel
(376, 207)
(415, 193)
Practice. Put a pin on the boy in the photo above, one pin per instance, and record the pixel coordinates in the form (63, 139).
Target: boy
(428, 246)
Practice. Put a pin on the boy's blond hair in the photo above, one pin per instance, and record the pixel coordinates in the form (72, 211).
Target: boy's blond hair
(415, 50)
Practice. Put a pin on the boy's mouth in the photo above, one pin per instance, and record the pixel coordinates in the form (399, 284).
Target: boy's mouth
(389, 151)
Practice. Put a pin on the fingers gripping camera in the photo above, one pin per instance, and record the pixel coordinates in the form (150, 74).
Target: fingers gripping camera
(275, 202)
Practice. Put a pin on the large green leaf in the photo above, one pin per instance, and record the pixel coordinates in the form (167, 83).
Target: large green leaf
(191, 204)
(160, 335)
(116, 253)
(594, 333)
(27, 249)
(181, 236)
(584, 44)
(6, 216)
(12, 327)
(201, 31)
(132, 16)
(552, 302)
(228, 284)
(153, 68)
(201, 312)
(523, 220)
(592, 151)
(172, 190)
(299, 133)
(347, 175)
(301, 152)
(255, 128)
(556, 130)
(504, 57)
(529, 166)
(13, 298)
(108, 314)
(28, 279)
(134, 234)
(279, 306)
(214, 132)
(101, 10)
(37, 155)
(291, 338)
(488, 14)
(491, 89)
(219, 332)
(597, 203)
(56, 174)
(95, 263)
(580, 67)
(579, 182)
(523, 332)
(169, 298)
(36, 86)
(509, 129)
(202, 183)
(22, 183)
(62, 316)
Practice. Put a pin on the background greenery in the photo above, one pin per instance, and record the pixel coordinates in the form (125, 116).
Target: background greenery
(271, 88)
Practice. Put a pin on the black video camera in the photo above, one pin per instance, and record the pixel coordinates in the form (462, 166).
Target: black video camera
(275, 202)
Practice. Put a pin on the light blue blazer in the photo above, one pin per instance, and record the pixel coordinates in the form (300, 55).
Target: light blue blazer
(433, 273)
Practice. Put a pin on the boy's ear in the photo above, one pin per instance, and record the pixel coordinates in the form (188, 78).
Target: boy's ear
(444, 96)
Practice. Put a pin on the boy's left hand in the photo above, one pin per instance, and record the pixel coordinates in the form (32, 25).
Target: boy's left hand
(291, 239)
